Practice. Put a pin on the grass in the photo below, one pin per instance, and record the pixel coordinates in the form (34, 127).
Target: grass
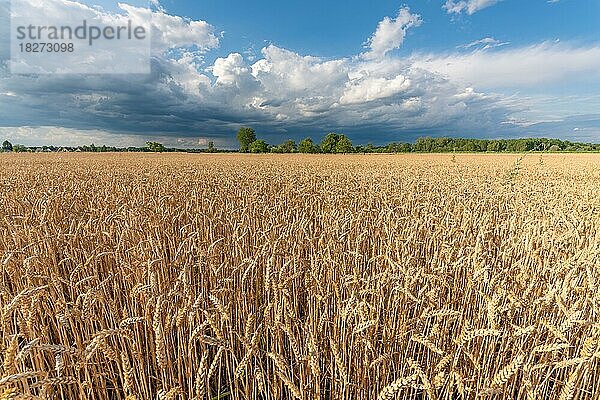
(145, 276)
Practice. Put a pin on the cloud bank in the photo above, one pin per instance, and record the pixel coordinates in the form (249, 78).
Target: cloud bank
(372, 96)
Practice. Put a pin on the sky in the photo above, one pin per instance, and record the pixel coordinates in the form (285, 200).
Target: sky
(377, 71)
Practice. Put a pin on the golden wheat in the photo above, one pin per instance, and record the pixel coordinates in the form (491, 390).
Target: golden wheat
(180, 276)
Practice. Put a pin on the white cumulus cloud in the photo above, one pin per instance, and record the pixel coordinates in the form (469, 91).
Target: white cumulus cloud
(283, 93)
(370, 89)
(171, 31)
(390, 33)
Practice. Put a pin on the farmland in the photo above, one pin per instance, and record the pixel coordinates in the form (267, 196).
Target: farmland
(416, 276)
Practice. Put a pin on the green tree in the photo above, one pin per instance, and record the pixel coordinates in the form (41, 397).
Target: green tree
(211, 147)
(246, 136)
(423, 145)
(469, 146)
(19, 148)
(259, 146)
(344, 145)
(441, 144)
(289, 146)
(307, 146)
(329, 142)
(155, 147)
(7, 146)
(336, 143)
(494, 145)
(398, 148)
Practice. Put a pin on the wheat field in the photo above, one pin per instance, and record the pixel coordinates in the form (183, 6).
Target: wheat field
(179, 276)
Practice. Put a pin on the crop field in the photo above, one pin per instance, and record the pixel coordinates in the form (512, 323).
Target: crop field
(180, 276)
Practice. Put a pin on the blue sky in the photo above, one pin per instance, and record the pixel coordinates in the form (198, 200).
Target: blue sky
(378, 71)
(337, 29)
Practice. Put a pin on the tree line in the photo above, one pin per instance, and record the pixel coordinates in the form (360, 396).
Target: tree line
(332, 143)
(153, 147)
(339, 143)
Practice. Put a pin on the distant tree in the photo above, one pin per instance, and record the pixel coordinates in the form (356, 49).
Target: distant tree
(554, 147)
(441, 144)
(259, 146)
(7, 146)
(344, 145)
(19, 148)
(307, 146)
(405, 147)
(289, 146)
(155, 147)
(423, 145)
(336, 143)
(469, 146)
(211, 147)
(557, 143)
(329, 142)
(246, 136)
(398, 148)
(495, 146)
(518, 145)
